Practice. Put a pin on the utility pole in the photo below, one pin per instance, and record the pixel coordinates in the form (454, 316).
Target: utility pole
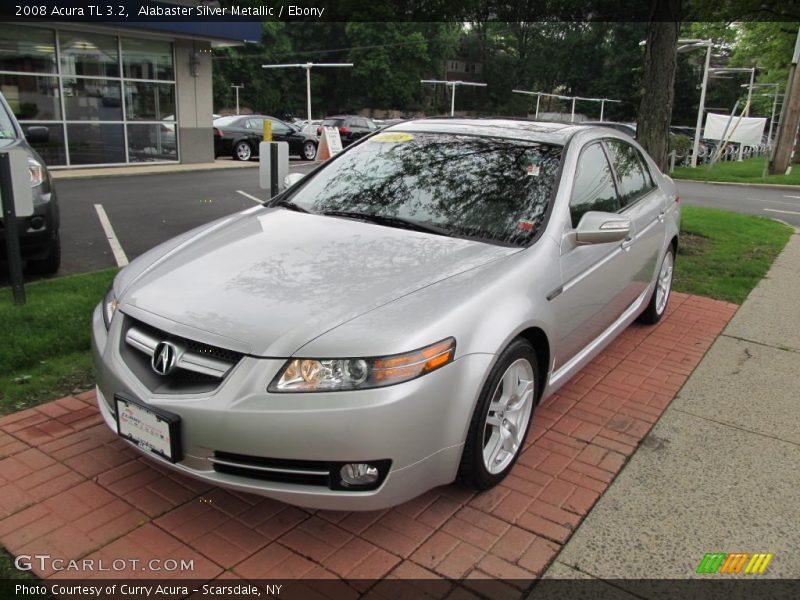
(237, 88)
(452, 85)
(789, 120)
(307, 66)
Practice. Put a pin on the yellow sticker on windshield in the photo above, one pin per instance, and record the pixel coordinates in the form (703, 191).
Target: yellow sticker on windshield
(392, 136)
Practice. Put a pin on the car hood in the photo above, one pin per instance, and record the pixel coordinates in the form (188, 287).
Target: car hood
(270, 281)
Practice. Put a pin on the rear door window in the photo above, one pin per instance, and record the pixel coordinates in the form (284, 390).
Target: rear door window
(7, 130)
(634, 178)
(594, 187)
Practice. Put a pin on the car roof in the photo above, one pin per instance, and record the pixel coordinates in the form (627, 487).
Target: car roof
(523, 129)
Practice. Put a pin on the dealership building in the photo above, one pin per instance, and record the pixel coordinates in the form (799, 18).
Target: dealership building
(117, 94)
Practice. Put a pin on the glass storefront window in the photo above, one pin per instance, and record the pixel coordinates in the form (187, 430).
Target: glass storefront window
(149, 142)
(96, 143)
(149, 101)
(88, 54)
(52, 151)
(32, 96)
(92, 99)
(28, 49)
(147, 59)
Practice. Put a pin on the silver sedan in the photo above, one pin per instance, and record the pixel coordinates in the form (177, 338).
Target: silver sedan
(389, 323)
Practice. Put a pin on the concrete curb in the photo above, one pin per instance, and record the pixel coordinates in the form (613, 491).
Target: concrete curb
(772, 186)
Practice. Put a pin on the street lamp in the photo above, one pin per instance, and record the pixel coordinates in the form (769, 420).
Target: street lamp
(685, 46)
(237, 88)
(752, 71)
(307, 66)
(453, 85)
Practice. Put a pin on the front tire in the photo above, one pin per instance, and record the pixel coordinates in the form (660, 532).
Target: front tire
(502, 417)
(242, 151)
(309, 150)
(658, 302)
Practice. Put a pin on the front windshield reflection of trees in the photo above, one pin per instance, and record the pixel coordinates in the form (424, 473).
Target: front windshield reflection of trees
(487, 188)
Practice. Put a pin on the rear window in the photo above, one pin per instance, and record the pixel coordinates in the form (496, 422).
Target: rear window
(333, 122)
(493, 189)
(226, 121)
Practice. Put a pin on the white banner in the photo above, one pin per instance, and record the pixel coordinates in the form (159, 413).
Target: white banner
(749, 131)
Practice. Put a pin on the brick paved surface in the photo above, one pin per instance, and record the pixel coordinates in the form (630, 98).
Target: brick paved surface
(71, 489)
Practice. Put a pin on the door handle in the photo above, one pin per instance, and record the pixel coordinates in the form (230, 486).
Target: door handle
(627, 243)
(662, 216)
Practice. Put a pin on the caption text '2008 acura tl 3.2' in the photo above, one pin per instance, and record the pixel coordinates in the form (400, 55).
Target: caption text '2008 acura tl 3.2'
(389, 322)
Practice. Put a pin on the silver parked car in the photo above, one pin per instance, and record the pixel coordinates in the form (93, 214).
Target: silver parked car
(389, 323)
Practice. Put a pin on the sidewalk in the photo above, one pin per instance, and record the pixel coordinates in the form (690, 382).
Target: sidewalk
(720, 471)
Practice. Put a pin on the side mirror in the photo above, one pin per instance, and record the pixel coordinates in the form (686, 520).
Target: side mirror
(601, 227)
(291, 179)
(37, 134)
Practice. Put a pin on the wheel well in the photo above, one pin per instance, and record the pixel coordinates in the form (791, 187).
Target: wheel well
(538, 339)
(674, 244)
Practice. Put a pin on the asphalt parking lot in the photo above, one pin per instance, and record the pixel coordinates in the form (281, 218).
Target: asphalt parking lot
(141, 211)
(106, 221)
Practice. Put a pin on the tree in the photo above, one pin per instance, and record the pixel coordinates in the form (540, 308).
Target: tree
(658, 80)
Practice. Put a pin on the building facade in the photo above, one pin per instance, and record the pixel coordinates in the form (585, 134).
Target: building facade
(115, 95)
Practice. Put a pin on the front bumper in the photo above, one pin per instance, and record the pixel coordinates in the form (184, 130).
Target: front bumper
(419, 425)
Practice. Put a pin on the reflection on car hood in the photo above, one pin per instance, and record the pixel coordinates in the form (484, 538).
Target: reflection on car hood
(274, 279)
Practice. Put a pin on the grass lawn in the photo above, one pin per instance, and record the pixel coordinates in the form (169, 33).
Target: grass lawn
(723, 254)
(747, 171)
(46, 353)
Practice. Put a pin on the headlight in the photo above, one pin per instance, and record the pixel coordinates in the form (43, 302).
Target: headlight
(109, 306)
(336, 374)
(36, 171)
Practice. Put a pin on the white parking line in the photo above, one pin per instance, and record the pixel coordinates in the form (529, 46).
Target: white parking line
(785, 212)
(246, 195)
(116, 248)
(791, 196)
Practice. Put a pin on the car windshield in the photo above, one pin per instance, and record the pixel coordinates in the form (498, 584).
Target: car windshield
(493, 189)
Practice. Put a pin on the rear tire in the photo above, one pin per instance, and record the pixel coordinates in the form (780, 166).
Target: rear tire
(242, 151)
(309, 150)
(658, 302)
(51, 262)
(502, 417)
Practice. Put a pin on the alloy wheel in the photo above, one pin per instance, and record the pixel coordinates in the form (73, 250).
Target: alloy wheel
(309, 151)
(664, 283)
(508, 416)
(243, 151)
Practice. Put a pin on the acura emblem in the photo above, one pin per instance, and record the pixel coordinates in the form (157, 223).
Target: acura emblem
(164, 358)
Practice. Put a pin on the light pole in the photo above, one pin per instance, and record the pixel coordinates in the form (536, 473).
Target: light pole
(685, 46)
(539, 95)
(237, 88)
(307, 66)
(752, 71)
(453, 85)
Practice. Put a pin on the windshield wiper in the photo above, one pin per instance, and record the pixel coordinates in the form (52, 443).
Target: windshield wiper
(389, 221)
(289, 205)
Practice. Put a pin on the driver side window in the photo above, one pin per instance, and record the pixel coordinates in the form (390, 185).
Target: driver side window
(594, 187)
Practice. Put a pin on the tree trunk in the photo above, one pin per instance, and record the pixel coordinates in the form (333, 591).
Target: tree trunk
(658, 80)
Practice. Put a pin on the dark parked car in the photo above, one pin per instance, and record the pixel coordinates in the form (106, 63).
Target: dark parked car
(38, 234)
(351, 127)
(239, 136)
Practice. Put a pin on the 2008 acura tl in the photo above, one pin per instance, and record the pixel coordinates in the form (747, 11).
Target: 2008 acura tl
(388, 323)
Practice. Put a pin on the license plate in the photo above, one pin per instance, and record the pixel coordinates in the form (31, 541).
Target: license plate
(152, 429)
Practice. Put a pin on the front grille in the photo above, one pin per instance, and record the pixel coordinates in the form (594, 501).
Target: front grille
(298, 472)
(198, 367)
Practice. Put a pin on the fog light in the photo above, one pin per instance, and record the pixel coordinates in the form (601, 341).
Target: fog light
(358, 474)
(37, 222)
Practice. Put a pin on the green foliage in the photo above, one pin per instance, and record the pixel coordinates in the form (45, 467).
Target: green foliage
(723, 254)
(746, 171)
